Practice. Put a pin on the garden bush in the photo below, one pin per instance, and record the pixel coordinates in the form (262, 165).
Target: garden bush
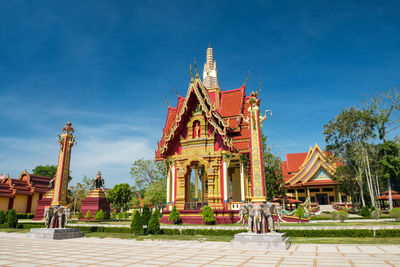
(207, 215)
(88, 215)
(100, 215)
(25, 215)
(2, 217)
(157, 213)
(136, 223)
(376, 214)
(120, 215)
(170, 231)
(299, 213)
(395, 213)
(174, 216)
(365, 212)
(334, 215)
(342, 215)
(79, 215)
(154, 225)
(126, 215)
(11, 218)
(146, 215)
(113, 215)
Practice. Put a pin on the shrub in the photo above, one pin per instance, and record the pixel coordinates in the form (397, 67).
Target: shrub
(136, 223)
(376, 214)
(154, 225)
(157, 213)
(120, 215)
(11, 218)
(207, 215)
(100, 215)
(88, 215)
(126, 215)
(299, 213)
(2, 217)
(79, 215)
(25, 215)
(395, 213)
(365, 212)
(113, 215)
(170, 231)
(334, 215)
(146, 214)
(342, 215)
(174, 216)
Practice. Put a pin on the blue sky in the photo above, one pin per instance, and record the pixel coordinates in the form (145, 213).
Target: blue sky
(106, 66)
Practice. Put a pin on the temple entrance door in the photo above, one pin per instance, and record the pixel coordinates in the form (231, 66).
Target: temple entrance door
(322, 199)
(195, 187)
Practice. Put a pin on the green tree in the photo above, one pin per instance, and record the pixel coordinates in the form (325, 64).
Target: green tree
(2, 217)
(120, 196)
(156, 193)
(154, 225)
(390, 162)
(207, 215)
(299, 213)
(347, 136)
(136, 223)
(274, 182)
(88, 215)
(395, 213)
(12, 219)
(100, 216)
(78, 193)
(174, 216)
(48, 171)
(150, 181)
(146, 214)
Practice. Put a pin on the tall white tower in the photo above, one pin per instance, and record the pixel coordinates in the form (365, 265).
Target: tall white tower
(210, 77)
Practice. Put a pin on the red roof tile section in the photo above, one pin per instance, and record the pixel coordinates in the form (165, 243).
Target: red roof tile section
(294, 161)
(232, 102)
(26, 184)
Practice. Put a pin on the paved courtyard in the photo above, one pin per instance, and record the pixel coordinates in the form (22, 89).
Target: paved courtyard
(16, 250)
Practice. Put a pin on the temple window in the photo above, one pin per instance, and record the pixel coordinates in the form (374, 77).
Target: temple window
(196, 129)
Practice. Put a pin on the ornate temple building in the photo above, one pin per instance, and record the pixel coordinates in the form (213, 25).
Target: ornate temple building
(310, 175)
(23, 193)
(205, 144)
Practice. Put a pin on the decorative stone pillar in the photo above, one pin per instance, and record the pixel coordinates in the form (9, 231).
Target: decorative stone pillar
(242, 193)
(225, 177)
(196, 184)
(173, 175)
(168, 185)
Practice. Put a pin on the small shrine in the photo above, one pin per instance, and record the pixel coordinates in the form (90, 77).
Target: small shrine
(96, 199)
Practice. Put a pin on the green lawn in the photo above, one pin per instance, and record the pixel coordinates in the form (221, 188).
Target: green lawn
(345, 240)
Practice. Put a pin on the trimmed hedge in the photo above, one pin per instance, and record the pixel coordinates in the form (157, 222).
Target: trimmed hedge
(331, 233)
(25, 215)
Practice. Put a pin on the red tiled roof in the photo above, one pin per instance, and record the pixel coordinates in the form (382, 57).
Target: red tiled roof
(5, 190)
(294, 161)
(386, 197)
(232, 102)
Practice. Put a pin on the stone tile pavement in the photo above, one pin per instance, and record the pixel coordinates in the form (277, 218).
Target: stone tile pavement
(17, 250)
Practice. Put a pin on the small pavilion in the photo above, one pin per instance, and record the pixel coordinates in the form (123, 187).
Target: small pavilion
(384, 199)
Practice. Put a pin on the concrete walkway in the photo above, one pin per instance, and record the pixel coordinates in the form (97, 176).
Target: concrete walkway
(17, 250)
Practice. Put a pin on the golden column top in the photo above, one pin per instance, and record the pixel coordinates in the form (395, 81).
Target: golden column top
(66, 141)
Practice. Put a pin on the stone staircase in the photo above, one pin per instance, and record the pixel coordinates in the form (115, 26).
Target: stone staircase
(325, 208)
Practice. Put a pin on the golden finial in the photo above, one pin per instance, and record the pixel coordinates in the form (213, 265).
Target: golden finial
(166, 101)
(258, 87)
(195, 67)
(176, 92)
(248, 77)
(98, 173)
(191, 74)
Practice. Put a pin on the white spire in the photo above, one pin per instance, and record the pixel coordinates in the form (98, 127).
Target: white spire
(210, 73)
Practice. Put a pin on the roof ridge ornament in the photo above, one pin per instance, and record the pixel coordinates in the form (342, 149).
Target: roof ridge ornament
(166, 101)
(176, 92)
(247, 79)
(195, 67)
(191, 74)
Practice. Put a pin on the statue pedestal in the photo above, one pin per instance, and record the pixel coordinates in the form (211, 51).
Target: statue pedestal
(95, 201)
(54, 233)
(252, 241)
